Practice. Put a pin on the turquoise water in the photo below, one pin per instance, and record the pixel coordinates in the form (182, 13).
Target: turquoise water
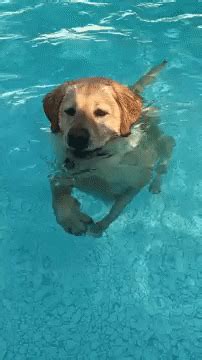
(135, 292)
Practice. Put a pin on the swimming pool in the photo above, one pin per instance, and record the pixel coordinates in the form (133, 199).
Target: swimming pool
(134, 293)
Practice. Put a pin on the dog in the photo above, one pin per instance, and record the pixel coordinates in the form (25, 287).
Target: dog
(108, 143)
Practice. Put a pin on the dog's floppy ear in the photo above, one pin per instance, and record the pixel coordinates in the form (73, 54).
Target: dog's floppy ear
(130, 105)
(51, 105)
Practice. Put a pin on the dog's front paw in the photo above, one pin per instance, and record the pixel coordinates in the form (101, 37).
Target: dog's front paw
(97, 229)
(76, 224)
(81, 224)
(71, 218)
(155, 186)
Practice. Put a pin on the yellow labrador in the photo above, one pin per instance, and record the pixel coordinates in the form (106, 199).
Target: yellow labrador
(107, 144)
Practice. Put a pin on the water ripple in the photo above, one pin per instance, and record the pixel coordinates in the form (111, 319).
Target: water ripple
(172, 19)
(63, 34)
(100, 29)
(20, 11)
(5, 77)
(80, 33)
(149, 5)
(11, 37)
(86, 2)
(21, 96)
(127, 13)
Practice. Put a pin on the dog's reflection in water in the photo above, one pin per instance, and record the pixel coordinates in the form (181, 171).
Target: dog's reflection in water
(107, 144)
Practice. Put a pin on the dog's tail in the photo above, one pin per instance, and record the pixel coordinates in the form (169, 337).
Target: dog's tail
(147, 79)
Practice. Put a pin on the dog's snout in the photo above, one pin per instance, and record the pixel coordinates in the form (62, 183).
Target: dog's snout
(78, 138)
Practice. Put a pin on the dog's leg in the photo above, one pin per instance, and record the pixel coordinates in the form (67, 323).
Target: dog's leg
(165, 148)
(67, 208)
(148, 78)
(120, 203)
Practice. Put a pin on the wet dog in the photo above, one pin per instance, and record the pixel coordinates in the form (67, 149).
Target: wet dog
(107, 143)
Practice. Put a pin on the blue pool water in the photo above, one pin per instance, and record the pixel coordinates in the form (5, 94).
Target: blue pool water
(134, 293)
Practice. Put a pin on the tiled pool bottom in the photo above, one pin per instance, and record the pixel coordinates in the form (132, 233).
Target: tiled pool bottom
(83, 307)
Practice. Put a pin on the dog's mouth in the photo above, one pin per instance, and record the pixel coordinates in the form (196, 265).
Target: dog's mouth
(83, 154)
(101, 151)
(69, 162)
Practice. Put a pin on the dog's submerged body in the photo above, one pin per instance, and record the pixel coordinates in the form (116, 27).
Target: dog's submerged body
(100, 151)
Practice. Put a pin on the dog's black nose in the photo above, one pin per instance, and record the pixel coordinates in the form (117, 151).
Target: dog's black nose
(78, 138)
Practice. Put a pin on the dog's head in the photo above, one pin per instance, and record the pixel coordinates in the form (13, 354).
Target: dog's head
(89, 112)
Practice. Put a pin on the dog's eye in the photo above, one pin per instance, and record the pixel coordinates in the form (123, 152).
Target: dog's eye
(71, 111)
(100, 112)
